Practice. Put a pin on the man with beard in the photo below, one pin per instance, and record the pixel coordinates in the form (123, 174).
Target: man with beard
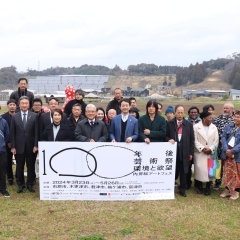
(221, 122)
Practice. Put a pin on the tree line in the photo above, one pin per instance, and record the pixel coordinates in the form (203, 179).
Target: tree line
(230, 67)
(142, 69)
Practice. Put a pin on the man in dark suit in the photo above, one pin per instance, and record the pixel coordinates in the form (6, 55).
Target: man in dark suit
(22, 91)
(12, 106)
(24, 142)
(46, 118)
(4, 139)
(181, 131)
(124, 127)
(91, 129)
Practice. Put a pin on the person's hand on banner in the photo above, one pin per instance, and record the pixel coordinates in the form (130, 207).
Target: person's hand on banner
(128, 140)
(147, 140)
(171, 141)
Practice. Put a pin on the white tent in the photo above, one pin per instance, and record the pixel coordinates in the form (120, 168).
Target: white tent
(91, 95)
(156, 96)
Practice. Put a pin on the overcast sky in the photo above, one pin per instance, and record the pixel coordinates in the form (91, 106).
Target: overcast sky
(71, 33)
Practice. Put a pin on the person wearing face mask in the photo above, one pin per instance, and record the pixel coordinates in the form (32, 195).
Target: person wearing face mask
(221, 122)
(57, 131)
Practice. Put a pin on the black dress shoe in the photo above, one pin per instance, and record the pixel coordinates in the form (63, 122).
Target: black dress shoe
(10, 182)
(183, 194)
(20, 189)
(30, 189)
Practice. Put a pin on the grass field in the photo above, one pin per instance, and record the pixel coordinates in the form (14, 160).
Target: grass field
(24, 216)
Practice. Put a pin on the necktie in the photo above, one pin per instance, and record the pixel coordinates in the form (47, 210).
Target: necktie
(179, 127)
(24, 120)
(91, 123)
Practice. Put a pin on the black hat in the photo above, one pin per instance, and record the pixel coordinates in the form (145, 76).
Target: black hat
(204, 114)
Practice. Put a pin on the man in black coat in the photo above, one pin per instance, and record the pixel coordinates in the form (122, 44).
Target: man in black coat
(91, 129)
(22, 91)
(46, 118)
(114, 104)
(181, 131)
(12, 106)
(24, 142)
(79, 95)
(75, 117)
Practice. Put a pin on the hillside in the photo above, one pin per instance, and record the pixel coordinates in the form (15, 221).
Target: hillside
(214, 81)
(139, 81)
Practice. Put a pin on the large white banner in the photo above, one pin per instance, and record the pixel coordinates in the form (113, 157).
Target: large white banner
(106, 171)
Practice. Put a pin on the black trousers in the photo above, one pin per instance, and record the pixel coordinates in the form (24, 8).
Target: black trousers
(3, 166)
(183, 176)
(9, 164)
(30, 162)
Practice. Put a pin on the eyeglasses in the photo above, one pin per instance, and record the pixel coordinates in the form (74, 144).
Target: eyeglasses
(37, 105)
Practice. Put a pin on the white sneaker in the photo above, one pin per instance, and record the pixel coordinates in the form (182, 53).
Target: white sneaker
(225, 193)
(234, 196)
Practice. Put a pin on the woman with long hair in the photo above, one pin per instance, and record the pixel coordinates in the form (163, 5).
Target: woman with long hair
(152, 127)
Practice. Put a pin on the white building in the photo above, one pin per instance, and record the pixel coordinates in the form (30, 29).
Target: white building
(235, 94)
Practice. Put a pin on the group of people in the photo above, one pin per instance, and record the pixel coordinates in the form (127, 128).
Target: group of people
(197, 136)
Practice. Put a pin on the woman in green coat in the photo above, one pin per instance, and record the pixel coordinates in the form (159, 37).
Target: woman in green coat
(152, 127)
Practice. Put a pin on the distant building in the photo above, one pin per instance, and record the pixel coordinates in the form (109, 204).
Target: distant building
(234, 94)
(191, 94)
(137, 92)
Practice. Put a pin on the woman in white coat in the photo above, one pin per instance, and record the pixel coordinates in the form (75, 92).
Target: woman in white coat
(206, 141)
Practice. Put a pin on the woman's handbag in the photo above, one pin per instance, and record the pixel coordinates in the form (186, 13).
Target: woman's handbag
(214, 165)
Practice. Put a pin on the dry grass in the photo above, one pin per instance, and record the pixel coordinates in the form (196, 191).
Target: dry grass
(24, 216)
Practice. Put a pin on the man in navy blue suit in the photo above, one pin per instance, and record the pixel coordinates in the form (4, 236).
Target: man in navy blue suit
(124, 127)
